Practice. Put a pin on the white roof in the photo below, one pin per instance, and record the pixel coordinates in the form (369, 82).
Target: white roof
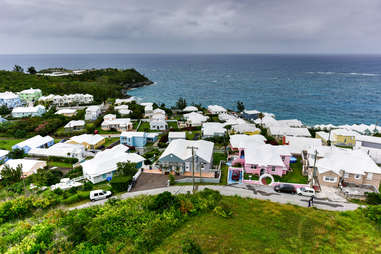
(194, 117)
(8, 95)
(216, 108)
(130, 134)
(93, 108)
(244, 127)
(290, 123)
(159, 111)
(266, 121)
(27, 165)
(158, 116)
(121, 107)
(28, 109)
(350, 161)
(117, 121)
(31, 91)
(344, 132)
(289, 131)
(66, 111)
(106, 161)
(3, 152)
(119, 101)
(179, 148)
(190, 109)
(242, 140)
(212, 128)
(266, 155)
(251, 112)
(36, 141)
(370, 139)
(173, 134)
(90, 139)
(59, 150)
(299, 144)
(75, 123)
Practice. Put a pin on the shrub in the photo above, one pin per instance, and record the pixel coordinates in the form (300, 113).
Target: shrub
(87, 186)
(223, 210)
(373, 213)
(164, 201)
(75, 172)
(162, 145)
(171, 180)
(58, 191)
(373, 198)
(63, 159)
(71, 200)
(189, 246)
(120, 183)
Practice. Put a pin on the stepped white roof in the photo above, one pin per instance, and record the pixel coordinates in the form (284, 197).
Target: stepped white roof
(180, 149)
(27, 164)
(289, 131)
(243, 141)
(350, 161)
(213, 128)
(179, 134)
(107, 160)
(28, 109)
(266, 155)
(299, 144)
(59, 150)
(190, 109)
(75, 123)
(66, 111)
(244, 127)
(216, 109)
(31, 91)
(35, 142)
(8, 96)
(87, 138)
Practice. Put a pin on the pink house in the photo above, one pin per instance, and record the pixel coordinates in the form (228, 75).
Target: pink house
(240, 142)
(264, 158)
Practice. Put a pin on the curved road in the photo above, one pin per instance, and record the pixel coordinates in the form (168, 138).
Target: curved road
(258, 192)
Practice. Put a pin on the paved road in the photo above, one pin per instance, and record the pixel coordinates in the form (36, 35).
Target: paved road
(251, 191)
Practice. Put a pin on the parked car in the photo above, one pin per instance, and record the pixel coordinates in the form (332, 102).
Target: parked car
(99, 194)
(236, 175)
(286, 188)
(305, 191)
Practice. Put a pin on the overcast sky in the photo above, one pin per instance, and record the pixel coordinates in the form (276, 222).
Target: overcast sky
(194, 26)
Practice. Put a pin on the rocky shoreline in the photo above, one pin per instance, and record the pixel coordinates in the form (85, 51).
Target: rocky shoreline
(130, 86)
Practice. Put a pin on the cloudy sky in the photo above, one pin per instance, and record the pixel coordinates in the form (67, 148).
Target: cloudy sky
(194, 26)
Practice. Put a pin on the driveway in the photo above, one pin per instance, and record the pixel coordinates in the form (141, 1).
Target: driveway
(250, 191)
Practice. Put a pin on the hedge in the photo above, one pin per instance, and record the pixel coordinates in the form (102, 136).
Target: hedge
(120, 183)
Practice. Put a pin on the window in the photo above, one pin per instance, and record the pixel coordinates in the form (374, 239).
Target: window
(357, 177)
(329, 179)
(370, 176)
(273, 169)
(346, 175)
(283, 158)
(253, 166)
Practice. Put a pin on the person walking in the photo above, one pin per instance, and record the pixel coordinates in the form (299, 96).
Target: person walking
(311, 201)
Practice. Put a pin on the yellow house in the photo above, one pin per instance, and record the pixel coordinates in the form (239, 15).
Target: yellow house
(339, 137)
(89, 141)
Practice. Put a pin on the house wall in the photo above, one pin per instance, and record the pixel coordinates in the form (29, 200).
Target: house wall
(370, 145)
(375, 181)
(276, 170)
(344, 140)
(329, 184)
(322, 139)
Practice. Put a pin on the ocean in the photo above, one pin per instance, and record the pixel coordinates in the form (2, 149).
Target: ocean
(317, 89)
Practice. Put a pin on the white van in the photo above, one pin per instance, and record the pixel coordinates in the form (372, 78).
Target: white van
(305, 191)
(99, 194)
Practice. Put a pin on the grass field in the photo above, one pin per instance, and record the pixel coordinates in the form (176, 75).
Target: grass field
(7, 144)
(193, 135)
(217, 157)
(173, 125)
(110, 141)
(265, 227)
(294, 176)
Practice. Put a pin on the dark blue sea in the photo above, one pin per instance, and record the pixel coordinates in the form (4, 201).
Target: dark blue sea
(337, 89)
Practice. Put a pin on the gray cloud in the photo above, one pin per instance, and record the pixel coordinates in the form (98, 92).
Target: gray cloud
(197, 26)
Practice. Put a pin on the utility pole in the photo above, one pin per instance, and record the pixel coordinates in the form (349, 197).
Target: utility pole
(193, 148)
(314, 173)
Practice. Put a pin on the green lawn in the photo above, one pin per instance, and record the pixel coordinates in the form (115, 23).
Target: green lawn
(224, 174)
(59, 164)
(135, 124)
(7, 144)
(294, 176)
(217, 157)
(191, 135)
(100, 131)
(173, 125)
(264, 227)
(110, 141)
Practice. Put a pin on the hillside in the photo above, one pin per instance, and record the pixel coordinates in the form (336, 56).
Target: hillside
(103, 83)
(206, 222)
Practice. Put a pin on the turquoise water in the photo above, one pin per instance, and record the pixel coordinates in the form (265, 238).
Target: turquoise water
(335, 89)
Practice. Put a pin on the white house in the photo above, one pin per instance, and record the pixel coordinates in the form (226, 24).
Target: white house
(178, 156)
(10, 99)
(75, 125)
(92, 113)
(216, 109)
(211, 129)
(245, 128)
(69, 112)
(89, 141)
(122, 109)
(4, 155)
(240, 141)
(371, 145)
(172, 135)
(148, 108)
(190, 109)
(60, 150)
(195, 119)
(158, 125)
(20, 112)
(67, 99)
(110, 122)
(299, 144)
(104, 164)
(124, 101)
(35, 142)
(29, 166)
(280, 132)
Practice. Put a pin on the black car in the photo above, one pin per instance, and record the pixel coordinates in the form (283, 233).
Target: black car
(286, 188)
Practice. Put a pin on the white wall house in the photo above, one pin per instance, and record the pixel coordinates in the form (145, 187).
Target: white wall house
(60, 150)
(9, 99)
(110, 122)
(172, 135)
(92, 113)
(195, 119)
(104, 164)
(20, 112)
(67, 99)
(216, 109)
(211, 129)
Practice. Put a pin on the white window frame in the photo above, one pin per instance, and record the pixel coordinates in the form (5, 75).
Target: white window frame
(346, 175)
(369, 176)
(357, 177)
(330, 179)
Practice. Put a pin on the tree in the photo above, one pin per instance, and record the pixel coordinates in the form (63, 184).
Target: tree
(16, 154)
(126, 169)
(18, 68)
(32, 70)
(240, 106)
(10, 175)
(261, 116)
(4, 110)
(181, 103)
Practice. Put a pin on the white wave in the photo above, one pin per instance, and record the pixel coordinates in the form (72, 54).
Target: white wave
(343, 73)
(364, 74)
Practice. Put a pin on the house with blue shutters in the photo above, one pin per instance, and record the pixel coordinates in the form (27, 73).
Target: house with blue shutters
(138, 139)
(35, 142)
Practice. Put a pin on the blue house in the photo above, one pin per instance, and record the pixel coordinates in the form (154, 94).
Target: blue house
(3, 155)
(9, 99)
(138, 139)
(35, 142)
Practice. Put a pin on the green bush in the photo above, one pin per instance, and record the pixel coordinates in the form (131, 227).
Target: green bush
(189, 246)
(87, 186)
(373, 198)
(71, 200)
(164, 201)
(223, 210)
(171, 180)
(374, 213)
(62, 159)
(120, 183)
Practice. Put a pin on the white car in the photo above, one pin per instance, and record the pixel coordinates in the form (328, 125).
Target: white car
(99, 194)
(305, 191)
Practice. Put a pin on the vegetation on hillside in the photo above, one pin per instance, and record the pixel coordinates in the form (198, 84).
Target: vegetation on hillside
(102, 84)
